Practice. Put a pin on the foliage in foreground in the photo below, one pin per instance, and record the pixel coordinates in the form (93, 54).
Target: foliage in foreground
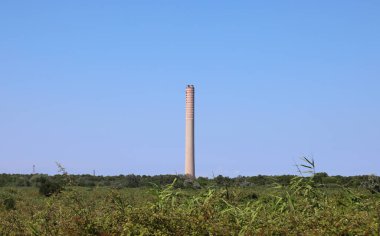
(300, 209)
(304, 207)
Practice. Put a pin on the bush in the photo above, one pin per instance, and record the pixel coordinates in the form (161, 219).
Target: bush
(48, 187)
(9, 203)
(372, 183)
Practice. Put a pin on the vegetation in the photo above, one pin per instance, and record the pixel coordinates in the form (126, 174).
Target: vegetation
(136, 181)
(305, 204)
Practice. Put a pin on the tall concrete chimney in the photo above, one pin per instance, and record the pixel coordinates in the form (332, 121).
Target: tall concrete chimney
(189, 139)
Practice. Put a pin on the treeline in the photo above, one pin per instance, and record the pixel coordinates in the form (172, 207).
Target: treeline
(135, 181)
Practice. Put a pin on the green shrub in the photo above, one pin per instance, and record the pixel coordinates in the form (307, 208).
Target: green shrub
(49, 187)
(9, 203)
(372, 183)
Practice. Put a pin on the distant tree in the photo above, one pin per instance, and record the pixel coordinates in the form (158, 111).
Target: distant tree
(222, 181)
(320, 176)
(133, 181)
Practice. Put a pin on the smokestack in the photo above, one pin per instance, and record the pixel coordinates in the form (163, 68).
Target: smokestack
(189, 139)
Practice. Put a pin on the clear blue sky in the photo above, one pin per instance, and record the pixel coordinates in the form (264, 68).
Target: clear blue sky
(100, 85)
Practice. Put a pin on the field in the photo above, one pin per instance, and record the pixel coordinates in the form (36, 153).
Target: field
(311, 204)
(301, 208)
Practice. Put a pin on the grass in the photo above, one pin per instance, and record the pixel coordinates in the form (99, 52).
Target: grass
(305, 207)
(169, 211)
